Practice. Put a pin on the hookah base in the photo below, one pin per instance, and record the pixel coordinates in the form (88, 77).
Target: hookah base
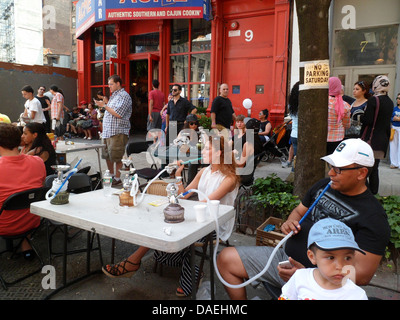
(125, 199)
(174, 213)
(61, 198)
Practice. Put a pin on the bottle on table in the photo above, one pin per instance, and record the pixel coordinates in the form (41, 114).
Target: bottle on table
(107, 181)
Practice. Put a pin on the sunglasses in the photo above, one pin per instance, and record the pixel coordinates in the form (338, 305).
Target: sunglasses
(174, 90)
(339, 170)
(361, 84)
(192, 123)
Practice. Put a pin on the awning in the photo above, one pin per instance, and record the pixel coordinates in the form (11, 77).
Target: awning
(88, 12)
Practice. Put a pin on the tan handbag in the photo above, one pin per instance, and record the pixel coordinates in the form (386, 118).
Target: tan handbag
(392, 131)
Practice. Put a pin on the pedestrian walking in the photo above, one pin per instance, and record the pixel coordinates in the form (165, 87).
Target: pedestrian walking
(156, 103)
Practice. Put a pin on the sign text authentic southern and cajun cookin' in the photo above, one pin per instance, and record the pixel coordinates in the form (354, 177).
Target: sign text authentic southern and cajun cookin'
(89, 12)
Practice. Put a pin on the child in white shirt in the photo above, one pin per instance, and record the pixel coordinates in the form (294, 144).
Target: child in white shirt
(331, 247)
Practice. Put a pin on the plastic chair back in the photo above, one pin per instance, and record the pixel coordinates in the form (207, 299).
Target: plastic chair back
(23, 199)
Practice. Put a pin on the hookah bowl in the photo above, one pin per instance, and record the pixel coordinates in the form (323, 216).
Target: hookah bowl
(126, 168)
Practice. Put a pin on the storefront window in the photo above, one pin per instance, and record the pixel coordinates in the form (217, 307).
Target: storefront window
(191, 51)
(148, 42)
(200, 95)
(180, 36)
(200, 67)
(97, 73)
(201, 35)
(111, 42)
(95, 90)
(370, 46)
(97, 44)
(179, 69)
(103, 47)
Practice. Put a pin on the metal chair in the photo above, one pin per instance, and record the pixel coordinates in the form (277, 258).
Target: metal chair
(78, 183)
(139, 147)
(18, 201)
(84, 170)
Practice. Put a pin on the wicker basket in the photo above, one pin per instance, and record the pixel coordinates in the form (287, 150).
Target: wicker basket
(271, 238)
(158, 187)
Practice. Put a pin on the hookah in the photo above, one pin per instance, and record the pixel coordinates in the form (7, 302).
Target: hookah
(58, 193)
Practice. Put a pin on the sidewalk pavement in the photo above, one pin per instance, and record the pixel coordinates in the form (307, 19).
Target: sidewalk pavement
(147, 285)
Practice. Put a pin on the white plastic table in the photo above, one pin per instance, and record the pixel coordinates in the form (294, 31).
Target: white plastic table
(143, 225)
(63, 148)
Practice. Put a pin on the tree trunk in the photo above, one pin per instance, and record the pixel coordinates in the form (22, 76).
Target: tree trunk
(313, 103)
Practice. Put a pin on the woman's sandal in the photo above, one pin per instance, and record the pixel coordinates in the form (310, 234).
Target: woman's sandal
(179, 291)
(119, 270)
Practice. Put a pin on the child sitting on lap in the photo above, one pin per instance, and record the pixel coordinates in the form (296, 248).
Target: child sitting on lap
(331, 247)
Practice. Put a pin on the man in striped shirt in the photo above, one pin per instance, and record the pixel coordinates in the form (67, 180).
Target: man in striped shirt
(116, 126)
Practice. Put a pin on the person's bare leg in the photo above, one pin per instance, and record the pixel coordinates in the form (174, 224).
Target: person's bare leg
(231, 268)
(137, 256)
(118, 166)
(291, 153)
(135, 259)
(110, 166)
(25, 246)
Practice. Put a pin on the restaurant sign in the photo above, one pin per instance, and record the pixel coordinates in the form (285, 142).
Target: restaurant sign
(88, 12)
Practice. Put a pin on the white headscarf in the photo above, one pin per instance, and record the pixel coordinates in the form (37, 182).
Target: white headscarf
(380, 86)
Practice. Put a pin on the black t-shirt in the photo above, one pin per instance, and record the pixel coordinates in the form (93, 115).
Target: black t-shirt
(44, 105)
(179, 110)
(262, 127)
(362, 213)
(222, 107)
(43, 101)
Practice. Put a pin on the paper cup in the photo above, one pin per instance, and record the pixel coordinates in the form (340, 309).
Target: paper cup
(214, 208)
(200, 210)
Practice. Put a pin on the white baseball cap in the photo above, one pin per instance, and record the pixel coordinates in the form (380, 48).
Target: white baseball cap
(351, 151)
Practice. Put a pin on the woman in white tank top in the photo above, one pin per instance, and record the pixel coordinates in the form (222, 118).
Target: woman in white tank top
(219, 182)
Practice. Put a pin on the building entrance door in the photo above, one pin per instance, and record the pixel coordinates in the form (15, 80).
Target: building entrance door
(139, 92)
(142, 73)
(248, 61)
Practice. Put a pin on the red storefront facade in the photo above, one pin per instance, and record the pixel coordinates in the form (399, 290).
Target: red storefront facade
(241, 43)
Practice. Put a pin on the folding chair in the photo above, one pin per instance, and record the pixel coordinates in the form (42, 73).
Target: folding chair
(18, 201)
(139, 147)
(78, 183)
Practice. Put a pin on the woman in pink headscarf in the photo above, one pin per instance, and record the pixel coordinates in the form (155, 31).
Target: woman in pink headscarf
(338, 115)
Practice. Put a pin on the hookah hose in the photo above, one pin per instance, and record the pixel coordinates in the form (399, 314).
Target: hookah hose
(273, 252)
(192, 160)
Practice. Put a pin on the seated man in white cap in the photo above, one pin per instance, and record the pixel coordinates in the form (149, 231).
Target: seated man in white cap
(348, 200)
